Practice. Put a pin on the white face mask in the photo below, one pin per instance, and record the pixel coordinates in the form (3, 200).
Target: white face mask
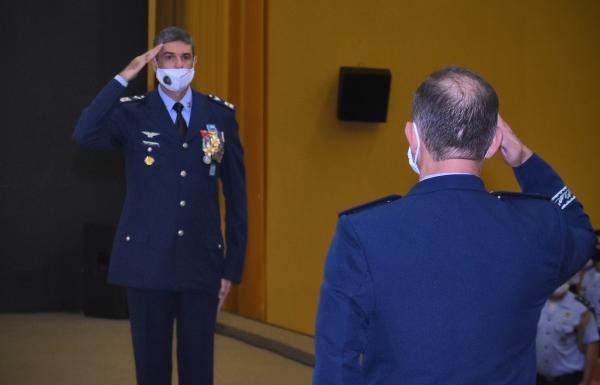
(412, 160)
(175, 79)
(562, 289)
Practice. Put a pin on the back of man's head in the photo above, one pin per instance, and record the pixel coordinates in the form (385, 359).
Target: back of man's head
(456, 112)
(170, 34)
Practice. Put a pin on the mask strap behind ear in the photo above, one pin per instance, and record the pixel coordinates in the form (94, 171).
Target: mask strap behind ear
(418, 141)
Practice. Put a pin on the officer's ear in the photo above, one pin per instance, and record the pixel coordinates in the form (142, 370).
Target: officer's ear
(410, 136)
(496, 142)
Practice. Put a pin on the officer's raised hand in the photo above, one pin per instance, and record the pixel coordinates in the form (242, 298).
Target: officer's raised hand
(515, 153)
(136, 65)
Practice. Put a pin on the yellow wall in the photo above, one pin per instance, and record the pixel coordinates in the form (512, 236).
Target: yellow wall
(541, 55)
(229, 36)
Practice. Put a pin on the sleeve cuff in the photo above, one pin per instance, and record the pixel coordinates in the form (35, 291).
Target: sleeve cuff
(122, 80)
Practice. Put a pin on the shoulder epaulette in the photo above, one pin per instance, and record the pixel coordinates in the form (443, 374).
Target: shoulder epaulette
(126, 99)
(585, 302)
(369, 205)
(221, 101)
(511, 194)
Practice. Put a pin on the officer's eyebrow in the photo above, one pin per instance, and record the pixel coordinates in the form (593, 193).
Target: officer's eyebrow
(173, 53)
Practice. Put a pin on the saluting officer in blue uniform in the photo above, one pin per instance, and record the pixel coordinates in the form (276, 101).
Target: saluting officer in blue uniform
(567, 340)
(446, 285)
(168, 249)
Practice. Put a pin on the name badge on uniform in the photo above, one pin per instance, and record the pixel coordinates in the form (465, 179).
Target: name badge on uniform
(213, 144)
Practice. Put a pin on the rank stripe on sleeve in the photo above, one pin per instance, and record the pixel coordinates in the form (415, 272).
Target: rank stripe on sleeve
(563, 197)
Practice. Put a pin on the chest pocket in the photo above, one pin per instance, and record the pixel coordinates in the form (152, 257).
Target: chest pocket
(199, 164)
(211, 170)
(210, 150)
(568, 321)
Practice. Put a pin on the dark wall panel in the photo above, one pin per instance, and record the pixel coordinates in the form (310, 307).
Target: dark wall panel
(58, 55)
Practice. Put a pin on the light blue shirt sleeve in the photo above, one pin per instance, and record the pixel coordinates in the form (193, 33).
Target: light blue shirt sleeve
(121, 80)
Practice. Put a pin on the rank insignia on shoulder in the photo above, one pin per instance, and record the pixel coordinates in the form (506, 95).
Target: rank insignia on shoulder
(221, 101)
(126, 99)
(512, 194)
(369, 205)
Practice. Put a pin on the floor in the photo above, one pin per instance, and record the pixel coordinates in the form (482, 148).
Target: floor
(70, 349)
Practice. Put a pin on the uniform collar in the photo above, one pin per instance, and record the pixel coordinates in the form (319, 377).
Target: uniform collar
(448, 182)
(186, 100)
(160, 117)
(444, 174)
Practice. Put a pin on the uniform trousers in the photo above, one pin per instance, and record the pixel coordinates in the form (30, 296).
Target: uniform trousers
(152, 315)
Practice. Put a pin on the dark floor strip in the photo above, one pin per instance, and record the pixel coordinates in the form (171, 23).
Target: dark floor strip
(268, 344)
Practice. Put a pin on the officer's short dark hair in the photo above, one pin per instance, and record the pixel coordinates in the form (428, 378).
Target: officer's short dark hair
(170, 34)
(456, 113)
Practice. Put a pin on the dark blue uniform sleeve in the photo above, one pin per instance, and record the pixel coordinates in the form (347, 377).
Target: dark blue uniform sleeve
(97, 127)
(236, 218)
(536, 176)
(345, 308)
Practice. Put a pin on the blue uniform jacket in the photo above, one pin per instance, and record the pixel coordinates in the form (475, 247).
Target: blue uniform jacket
(446, 285)
(169, 234)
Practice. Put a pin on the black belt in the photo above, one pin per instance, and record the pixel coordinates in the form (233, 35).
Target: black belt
(564, 379)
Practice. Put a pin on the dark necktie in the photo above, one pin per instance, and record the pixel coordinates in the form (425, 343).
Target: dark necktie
(180, 121)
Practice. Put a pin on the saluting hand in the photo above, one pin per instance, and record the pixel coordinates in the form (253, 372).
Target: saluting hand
(225, 287)
(515, 153)
(136, 65)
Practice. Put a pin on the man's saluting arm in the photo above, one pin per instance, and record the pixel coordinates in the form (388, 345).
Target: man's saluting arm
(536, 176)
(96, 127)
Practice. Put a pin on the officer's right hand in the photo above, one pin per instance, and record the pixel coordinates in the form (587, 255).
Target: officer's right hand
(515, 153)
(136, 65)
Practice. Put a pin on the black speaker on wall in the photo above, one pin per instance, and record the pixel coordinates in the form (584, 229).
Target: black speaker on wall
(363, 94)
(100, 299)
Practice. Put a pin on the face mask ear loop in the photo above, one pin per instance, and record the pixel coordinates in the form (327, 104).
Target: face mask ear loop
(412, 159)
(418, 142)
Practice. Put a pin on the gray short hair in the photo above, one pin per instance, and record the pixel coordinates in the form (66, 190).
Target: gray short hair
(456, 112)
(170, 34)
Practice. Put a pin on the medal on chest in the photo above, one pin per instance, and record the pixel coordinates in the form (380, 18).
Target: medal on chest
(213, 144)
(149, 160)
